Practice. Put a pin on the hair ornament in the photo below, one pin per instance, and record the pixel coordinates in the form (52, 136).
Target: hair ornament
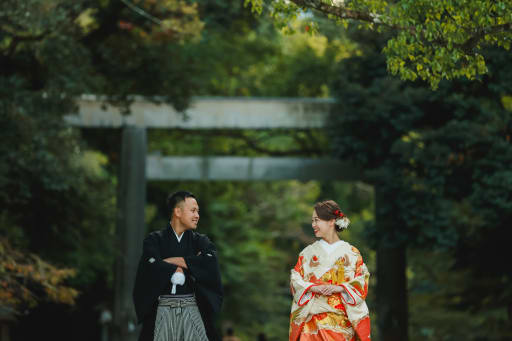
(342, 220)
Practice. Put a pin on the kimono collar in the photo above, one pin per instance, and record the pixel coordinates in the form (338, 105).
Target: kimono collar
(325, 259)
(177, 237)
(329, 248)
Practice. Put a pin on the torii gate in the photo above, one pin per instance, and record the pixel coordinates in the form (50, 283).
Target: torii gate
(204, 113)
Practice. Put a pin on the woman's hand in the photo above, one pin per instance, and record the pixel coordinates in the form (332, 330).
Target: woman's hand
(326, 289)
(317, 289)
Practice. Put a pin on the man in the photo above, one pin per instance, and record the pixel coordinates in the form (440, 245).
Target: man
(178, 289)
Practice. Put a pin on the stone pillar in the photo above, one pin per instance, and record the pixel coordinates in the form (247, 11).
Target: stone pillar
(130, 230)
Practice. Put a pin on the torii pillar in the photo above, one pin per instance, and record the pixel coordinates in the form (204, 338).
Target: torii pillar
(131, 201)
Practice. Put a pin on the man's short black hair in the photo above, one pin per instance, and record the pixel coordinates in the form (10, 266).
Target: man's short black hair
(175, 198)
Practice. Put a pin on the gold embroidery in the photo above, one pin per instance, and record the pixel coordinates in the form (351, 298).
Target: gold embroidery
(337, 274)
(334, 301)
(357, 286)
(296, 313)
(332, 321)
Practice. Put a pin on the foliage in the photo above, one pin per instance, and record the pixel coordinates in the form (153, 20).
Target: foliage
(277, 142)
(45, 171)
(27, 280)
(257, 60)
(435, 298)
(432, 40)
(45, 177)
(99, 47)
(48, 207)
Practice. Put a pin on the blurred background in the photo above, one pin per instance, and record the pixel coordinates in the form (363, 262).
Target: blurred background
(430, 212)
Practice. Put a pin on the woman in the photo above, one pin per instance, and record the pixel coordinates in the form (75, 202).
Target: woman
(329, 284)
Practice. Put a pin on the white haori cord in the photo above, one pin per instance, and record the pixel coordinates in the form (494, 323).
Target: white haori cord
(177, 278)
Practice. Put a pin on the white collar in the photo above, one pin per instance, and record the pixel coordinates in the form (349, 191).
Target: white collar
(178, 237)
(329, 248)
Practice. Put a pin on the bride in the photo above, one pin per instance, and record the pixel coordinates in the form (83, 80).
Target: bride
(329, 284)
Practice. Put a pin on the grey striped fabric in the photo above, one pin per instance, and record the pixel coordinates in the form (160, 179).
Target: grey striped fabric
(178, 319)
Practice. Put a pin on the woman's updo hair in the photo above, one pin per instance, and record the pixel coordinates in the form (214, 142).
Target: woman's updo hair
(329, 209)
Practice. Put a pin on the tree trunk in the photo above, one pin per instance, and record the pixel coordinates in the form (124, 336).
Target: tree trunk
(391, 291)
(391, 294)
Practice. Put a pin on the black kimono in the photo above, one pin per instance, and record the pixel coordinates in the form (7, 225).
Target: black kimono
(201, 278)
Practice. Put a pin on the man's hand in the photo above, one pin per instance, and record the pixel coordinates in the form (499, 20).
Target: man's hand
(178, 261)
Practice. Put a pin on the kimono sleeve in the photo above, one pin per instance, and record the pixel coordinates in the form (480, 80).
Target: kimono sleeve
(354, 297)
(300, 288)
(153, 275)
(204, 268)
(356, 289)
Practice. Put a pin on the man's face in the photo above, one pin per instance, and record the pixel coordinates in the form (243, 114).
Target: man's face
(187, 213)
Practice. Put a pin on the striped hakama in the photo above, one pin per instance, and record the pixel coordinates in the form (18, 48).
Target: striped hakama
(178, 319)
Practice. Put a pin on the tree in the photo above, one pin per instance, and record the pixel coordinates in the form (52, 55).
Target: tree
(432, 40)
(100, 47)
(464, 165)
(439, 163)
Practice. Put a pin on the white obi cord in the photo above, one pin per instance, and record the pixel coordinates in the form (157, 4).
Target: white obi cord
(177, 278)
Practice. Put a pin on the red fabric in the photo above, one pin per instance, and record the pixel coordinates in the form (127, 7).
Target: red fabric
(363, 329)
(322, 335)
(295, 331)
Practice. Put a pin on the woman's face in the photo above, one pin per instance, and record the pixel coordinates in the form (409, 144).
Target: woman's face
(322, 228)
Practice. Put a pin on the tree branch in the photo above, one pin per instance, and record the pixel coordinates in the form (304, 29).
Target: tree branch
(255, 146)
(340, 12)
(16, 39)
(252, 144)
(345, 13)
(475, 39)
(22, 35)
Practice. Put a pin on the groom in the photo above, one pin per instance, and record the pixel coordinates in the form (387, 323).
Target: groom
(178, 289)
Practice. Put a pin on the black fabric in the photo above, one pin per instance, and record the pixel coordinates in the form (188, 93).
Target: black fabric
(153, 278)
(205, 272)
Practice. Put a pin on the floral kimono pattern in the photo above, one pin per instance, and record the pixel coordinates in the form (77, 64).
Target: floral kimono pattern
(341, 316)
